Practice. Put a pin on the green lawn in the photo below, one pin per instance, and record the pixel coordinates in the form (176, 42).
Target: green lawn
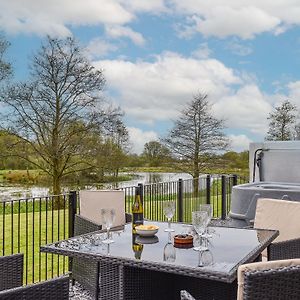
(28, 234)
(153, 206)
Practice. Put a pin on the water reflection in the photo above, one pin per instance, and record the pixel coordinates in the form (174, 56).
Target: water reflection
(39, 192)
(23, 192)
(155, 177)
(150, 177)
(169, 253)
(8, 193)
(205, 258)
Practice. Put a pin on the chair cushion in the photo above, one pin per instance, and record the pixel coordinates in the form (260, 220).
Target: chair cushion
(279, 215)
(261, 266)
(91, 203)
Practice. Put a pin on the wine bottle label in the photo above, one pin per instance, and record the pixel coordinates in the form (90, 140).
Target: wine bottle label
(137, 218)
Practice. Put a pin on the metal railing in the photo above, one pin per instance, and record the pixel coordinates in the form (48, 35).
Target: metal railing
(211, 189)
(26, 224)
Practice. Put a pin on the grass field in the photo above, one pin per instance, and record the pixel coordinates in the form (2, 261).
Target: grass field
(25, 233)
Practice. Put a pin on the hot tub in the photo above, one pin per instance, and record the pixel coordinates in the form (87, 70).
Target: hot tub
(244, 197)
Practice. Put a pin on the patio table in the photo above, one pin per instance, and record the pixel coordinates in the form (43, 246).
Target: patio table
(156, 272)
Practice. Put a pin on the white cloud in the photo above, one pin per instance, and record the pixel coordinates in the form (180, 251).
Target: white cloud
(99, 48)
(138, 138)
(53, 17)
(124, 31)
(151, 92)
(153, 6)
(239, 49)
(56, 16)
(247, 108)
(294, 92)
(155, 91)
(202, 52)
(289, 91)
(218, 18)
(239, 142)
(240, 18)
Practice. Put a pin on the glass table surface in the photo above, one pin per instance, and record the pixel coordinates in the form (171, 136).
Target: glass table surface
(227, 247)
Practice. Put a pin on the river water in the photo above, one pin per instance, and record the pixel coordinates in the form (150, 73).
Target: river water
(8, 192)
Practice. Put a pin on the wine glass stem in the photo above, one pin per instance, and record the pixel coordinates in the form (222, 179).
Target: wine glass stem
(169, 223)
(200, 263)
(107, 231)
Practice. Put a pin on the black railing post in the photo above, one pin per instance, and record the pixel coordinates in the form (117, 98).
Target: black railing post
(180, 200)
(208, 189)
(140, 185)
(223, 184)
(72, 211)
(234, 180)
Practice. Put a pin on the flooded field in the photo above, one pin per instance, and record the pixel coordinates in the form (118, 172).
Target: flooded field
(10, 192)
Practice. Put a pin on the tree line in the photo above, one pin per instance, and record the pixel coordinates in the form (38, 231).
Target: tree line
(58, 121)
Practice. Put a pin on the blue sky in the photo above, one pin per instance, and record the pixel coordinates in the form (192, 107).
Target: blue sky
(157, 54)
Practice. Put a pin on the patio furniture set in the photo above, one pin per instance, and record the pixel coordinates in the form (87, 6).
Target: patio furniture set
(231, 268)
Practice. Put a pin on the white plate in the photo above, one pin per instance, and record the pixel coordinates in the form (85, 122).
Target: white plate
(146, 232)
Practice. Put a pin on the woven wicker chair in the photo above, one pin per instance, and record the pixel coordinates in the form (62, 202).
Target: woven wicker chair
(84, 271)
(275, 280)
(11, 271)
(283, 216)
(11, 277)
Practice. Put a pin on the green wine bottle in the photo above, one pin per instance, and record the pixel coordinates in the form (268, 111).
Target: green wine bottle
(137, 209)
(136, 247)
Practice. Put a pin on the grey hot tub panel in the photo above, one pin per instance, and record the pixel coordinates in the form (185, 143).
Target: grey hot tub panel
(244, 197)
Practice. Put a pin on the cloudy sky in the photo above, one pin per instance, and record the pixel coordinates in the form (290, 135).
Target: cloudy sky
(157, 54)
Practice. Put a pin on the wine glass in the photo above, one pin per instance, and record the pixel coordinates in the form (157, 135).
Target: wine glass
(205, 258)
(108, 216)
(169, 211)
(209, 210)
(169, 251)
(200, 222)
(108, 249)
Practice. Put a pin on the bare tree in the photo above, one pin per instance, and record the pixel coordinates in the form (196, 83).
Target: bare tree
(297, 132)
(196, 136)
(115, 144)
(54, 112)
(115, 129)
(282, 122)
(5, 67)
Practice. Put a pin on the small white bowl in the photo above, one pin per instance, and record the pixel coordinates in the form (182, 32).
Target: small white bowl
(146, 230)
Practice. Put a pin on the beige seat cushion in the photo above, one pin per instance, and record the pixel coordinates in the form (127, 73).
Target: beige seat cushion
(261, 266)
(91, 203)
(279, 215)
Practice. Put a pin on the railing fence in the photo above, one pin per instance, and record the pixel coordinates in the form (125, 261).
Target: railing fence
(29, 223)
(189, 194)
